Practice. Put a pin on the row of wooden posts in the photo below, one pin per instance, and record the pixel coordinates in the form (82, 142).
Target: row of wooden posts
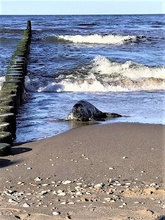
(12, 91)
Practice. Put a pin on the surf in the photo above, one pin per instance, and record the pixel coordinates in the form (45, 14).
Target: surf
(104, 75)
(109, 39)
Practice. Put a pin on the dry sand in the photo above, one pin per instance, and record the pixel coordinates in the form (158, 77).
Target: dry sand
(100, 172)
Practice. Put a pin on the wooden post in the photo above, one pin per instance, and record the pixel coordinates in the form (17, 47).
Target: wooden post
(11, 93)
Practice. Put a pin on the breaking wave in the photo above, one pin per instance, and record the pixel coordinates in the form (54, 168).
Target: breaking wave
(99, 39)
(104, 75)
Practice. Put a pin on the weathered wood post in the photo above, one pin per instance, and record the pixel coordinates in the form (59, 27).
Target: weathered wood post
(29, 28)
(12, 89)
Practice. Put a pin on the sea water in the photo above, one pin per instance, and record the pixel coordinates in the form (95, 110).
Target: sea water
(116, 62)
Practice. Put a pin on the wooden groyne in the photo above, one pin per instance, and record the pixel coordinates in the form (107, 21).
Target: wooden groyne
(12, 91)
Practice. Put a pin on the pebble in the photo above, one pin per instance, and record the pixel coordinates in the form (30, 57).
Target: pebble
(78, 193)
(78, 184)
(8, 181)
(98, 186)
(66, 182)
(20, 183)
(61, 192)
(70, 203)
(28, 194)
(37, 179)
(63, 203)
(118, 184)
(26, 205)
(136, 202)
(12, 201)
(112, 190)
(56, 213)
(107, 199)
(44, 193)
(153, 184)
(45, 184)
(127, 184)
(124, 157)
(9, 192)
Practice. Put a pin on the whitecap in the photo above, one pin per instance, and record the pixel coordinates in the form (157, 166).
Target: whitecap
(98, 39)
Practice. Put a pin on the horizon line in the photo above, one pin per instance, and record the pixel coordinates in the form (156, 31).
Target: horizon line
(80, 14)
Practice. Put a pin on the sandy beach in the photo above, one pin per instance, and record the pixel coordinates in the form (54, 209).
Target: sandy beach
(113, 171)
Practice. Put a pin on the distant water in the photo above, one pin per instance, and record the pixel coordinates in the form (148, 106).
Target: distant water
(116, 62)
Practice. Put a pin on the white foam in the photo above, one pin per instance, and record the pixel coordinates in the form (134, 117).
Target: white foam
(103, 75)
(52, 87)
(98, 39)
(29, 85)
(85, 86)
(2, 79)
(134, 71)
(97, 86)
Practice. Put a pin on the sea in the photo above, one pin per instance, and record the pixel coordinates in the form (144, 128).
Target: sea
(115, 62)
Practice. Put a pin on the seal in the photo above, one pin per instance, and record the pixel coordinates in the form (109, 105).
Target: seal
(85, 111)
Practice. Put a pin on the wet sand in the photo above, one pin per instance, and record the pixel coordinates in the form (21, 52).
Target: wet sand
(114, 171)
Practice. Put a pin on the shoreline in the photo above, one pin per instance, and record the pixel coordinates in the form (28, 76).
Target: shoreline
(103, 171)
(75, 125)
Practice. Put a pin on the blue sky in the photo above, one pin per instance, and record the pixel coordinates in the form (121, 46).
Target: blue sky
(54, 7)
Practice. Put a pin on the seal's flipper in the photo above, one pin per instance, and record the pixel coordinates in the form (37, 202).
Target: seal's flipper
(113, 115)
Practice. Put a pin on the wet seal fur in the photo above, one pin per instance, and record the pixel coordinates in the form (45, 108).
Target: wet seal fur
(85, 111)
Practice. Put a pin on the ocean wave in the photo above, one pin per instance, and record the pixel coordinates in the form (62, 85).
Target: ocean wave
(53, 39)
(11, 31)
(104, 75)
(125, 85)
(129, 69)
(101, 39)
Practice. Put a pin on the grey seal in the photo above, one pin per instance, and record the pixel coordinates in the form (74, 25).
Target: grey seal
(85, 111)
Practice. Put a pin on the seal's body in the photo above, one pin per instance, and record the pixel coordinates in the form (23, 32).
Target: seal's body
(85, 111)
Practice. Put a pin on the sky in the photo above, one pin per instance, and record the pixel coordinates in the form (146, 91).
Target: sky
(65, 7)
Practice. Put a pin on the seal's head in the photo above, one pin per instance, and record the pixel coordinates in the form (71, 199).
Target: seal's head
(79, 113)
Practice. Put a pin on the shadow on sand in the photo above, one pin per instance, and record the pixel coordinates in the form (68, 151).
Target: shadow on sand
(6, 162)
(15, 150)
(19, 150)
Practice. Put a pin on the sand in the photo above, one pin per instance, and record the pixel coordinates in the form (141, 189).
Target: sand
(112, 171)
